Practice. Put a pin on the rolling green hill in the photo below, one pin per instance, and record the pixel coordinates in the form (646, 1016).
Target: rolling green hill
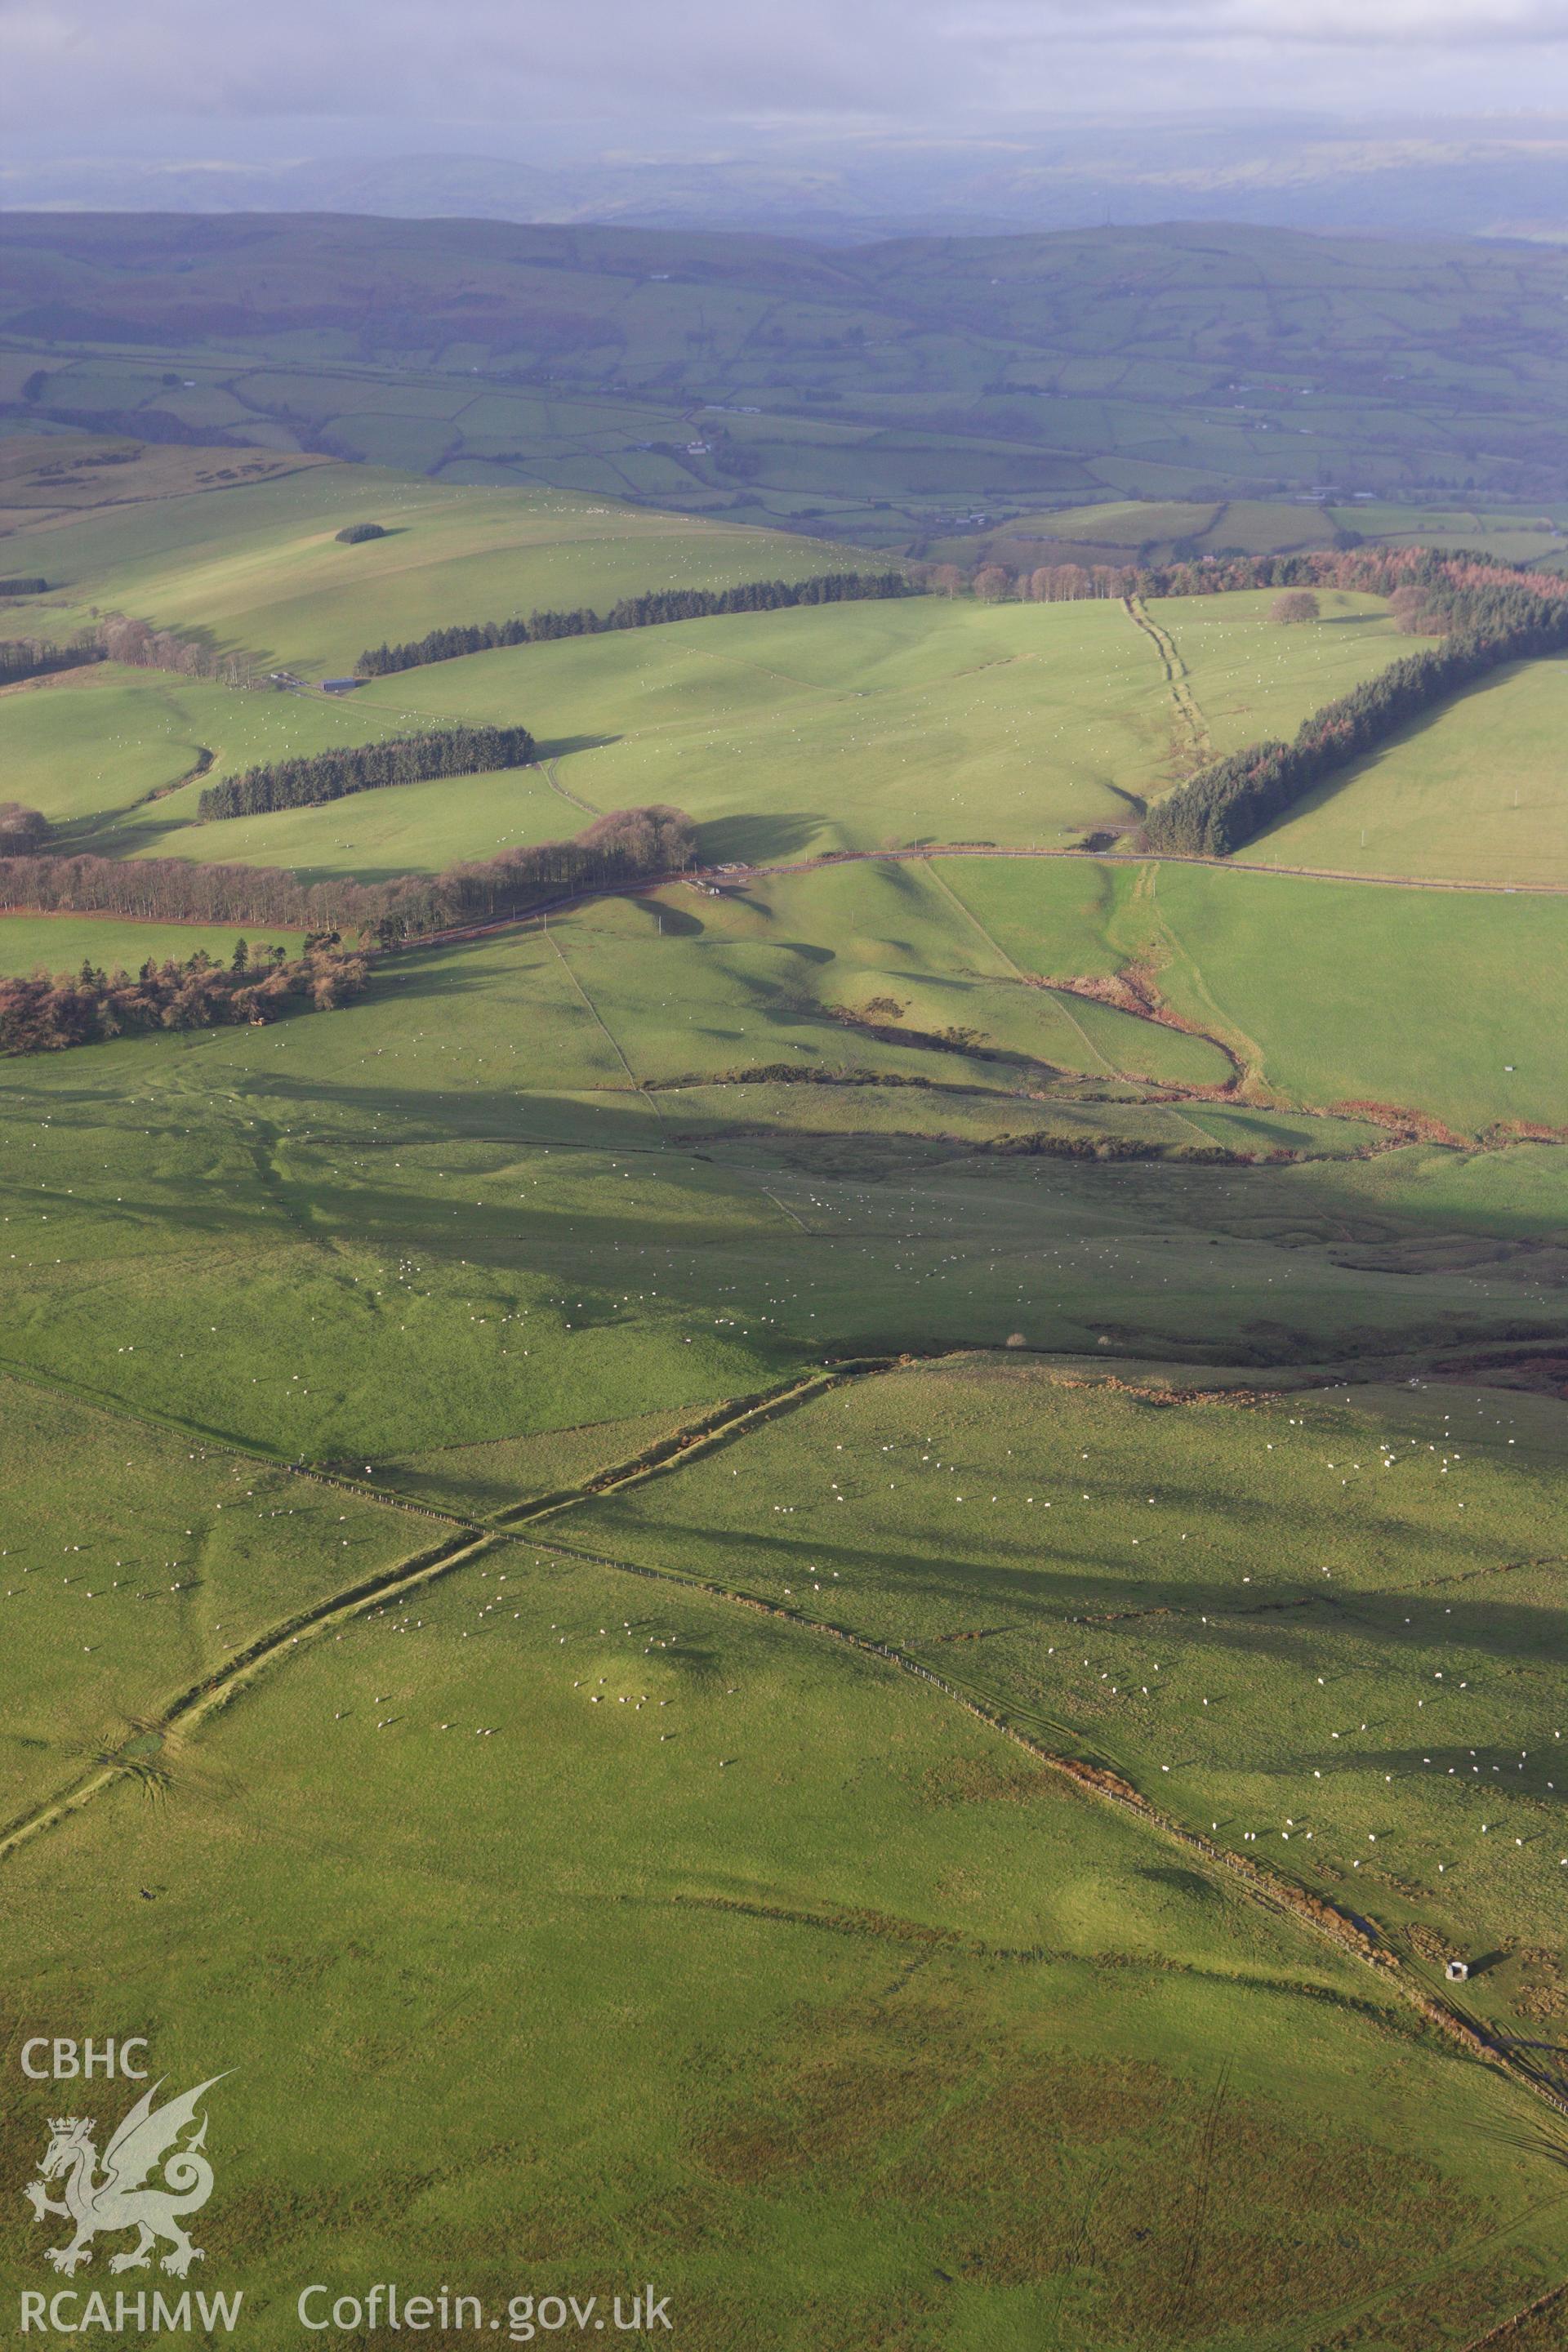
(571, 1631)
(924, 719)
(257, 569)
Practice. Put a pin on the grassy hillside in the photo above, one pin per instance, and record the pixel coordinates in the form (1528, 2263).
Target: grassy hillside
(135, 1565)
(1477, 793)
(452, 1221)
(1157, 530)
(546, 1179)
(1416, 1001)
(1253, 679)
(257, 570)
(567, 1546)
(61, 943)
(1326, 991)
(784, 733)
(1302, 1564)
(784, 1922)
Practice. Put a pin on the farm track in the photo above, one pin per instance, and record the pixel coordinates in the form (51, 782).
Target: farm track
(1190, 718)
(574, 799)
(707, 1429)
(1508, 2330)
(467, 1539)
(735, 876)
(716, 1429)
(214, 1690)
(1220, 865)
(720, 875)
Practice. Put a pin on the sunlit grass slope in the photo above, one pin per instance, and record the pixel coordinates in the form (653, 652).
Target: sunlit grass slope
(475, 1205)
(1330, 992)
(1477, 791)
(260, 571)
(784, 733)
(676, 1975)
(134, 1565)
(62, 943)
(1255, 679)
(1341, 1639)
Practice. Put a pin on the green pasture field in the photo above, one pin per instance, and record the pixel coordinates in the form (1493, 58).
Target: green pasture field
(93, 747)
(771, 1977)
(374, 835)
(1516, 536)
(258, 570)
(87, 741)
(1151, 531)
(491, 1480)
(867, 1123)
(1130, 523)
(490, 1200)
(995, 375)
(135, 1564)
(1328, 991)
(62, 943)
(479, 1262)
(552, 1916)
(1265, 526)
(747, 978)
(795, 732)
(1340, 1642)
(1475, 794)
(1437, 1004)
(101, 753)
(783, 732)
(1255, 679)
(50, 474)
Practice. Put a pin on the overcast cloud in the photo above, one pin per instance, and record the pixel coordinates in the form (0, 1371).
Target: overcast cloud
(405, 74)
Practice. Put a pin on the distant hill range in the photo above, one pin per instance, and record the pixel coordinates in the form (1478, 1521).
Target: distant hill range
(1487, 178)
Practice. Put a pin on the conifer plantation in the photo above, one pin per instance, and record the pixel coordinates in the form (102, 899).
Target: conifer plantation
(367, 766)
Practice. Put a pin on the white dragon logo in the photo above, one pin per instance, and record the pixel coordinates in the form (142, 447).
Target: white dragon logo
(120, 2198)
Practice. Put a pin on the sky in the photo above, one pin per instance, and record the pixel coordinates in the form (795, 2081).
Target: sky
(230, 80)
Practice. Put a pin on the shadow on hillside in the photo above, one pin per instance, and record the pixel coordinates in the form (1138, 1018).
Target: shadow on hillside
(1007, 1572)
(561, 747)
(759, 840)
(663, 916)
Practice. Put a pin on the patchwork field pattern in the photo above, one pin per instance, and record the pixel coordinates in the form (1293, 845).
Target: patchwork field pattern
(923, 387)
